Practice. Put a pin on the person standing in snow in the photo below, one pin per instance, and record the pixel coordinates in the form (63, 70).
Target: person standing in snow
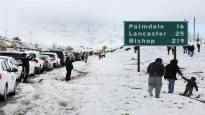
(69, 67)
(25, 67)
(136, 49)
(155, 71)
(168, 49)
(198, 47)
(170, 74)
(185, 48)
(191, 49)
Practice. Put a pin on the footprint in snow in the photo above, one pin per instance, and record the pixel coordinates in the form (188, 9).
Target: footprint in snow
(179, 107)
(190, 102)
(175, 103)
(2, 112)
(25, 102)
(36, 96)
(63, 103)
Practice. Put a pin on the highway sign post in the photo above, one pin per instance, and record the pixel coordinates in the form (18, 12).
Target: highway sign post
(155, 33)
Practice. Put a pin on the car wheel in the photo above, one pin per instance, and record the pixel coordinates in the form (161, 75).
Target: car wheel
(5, 96)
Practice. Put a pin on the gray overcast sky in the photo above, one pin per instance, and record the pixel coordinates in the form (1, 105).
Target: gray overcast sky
(29, 17)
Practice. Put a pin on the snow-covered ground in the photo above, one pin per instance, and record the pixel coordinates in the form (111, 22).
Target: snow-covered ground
(111, 86)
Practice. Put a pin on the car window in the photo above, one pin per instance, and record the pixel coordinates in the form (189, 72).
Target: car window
(7, 65)
(3, 65)
(13, 62)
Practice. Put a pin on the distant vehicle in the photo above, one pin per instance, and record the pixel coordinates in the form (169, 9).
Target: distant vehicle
(47, 65)
(77, 56)
(54, 58)
(60, 56)
(127, 49)
(8, 79)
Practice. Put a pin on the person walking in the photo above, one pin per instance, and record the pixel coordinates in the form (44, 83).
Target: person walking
(170, 74)
(69, 68)
(168, 49)
(25, 67)
(198, 47)
(155, 71)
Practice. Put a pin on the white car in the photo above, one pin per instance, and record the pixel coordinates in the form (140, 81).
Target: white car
(54, 58)
(36, 62)
(33, 64)
(48, 65)
(8, 76)
(13, 64)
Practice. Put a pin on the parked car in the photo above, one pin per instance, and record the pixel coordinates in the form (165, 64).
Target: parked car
(20, 57)
(8, 79)
(32, 63)
(54, 58)
(36, 61)
(47, 65)
(60, 56)
(13, 64)
(77, 56)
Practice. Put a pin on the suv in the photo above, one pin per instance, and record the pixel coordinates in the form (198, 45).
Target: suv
(47, 65)
(60, 56)
(54, 58)
(8, 76)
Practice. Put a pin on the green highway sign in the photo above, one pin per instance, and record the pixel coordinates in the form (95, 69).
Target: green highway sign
(155, 33)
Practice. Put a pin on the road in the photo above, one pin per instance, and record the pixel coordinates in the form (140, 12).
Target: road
(110, 86)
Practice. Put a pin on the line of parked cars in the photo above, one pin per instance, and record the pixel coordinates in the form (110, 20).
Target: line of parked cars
(13, 66)
(17, 66)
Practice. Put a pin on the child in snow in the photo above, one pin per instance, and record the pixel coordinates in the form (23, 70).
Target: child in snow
(191, 83)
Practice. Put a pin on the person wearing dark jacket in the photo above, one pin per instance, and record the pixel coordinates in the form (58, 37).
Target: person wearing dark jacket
(155, 71)
(170, 74)
(25, 67)
(198, 46)
(191, 83)
(69, 67)
(168, 49)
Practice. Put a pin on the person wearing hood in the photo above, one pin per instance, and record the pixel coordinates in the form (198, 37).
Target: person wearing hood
(155, 71)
